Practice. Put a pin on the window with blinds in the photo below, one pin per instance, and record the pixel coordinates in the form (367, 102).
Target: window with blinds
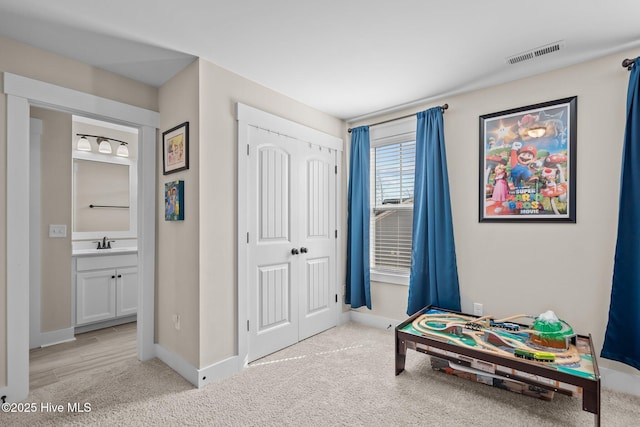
(392, 177)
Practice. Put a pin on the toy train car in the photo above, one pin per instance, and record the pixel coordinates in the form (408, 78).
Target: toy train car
(512, 327)
(505, 325)
(538, 356)
(473, 326)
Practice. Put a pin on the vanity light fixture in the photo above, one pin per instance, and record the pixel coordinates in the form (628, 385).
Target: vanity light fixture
(104, 146)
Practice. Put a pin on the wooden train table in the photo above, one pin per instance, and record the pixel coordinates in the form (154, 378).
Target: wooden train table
(505, 349)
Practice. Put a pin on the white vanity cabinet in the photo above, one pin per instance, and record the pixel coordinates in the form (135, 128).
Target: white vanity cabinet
(126, 291)
(106, 287)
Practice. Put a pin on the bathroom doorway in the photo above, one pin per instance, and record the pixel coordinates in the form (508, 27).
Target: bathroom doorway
(78, 287)
(21, 94)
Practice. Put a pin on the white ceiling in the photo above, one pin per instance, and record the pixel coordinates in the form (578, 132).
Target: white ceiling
(348, 58)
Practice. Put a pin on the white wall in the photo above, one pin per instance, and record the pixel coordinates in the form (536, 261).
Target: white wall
(530, 268)
(177, 277)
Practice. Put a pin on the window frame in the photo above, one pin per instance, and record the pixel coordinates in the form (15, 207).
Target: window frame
(395, 132)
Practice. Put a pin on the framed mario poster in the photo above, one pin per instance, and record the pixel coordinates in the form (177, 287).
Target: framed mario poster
(528, 163)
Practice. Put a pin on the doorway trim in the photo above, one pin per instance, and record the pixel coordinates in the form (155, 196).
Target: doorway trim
(21, 93)
(252, 117)
(34, 228)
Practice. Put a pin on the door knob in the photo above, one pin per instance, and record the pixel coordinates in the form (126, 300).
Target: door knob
(303, 250)
(294, 251)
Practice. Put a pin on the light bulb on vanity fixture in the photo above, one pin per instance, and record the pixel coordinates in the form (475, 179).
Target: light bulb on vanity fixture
(104, 146)
(122, 150)
(83, 144)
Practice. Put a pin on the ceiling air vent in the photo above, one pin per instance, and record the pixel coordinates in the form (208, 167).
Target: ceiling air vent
(535, 52)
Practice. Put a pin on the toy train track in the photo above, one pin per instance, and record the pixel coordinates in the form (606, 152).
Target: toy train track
(492, 336)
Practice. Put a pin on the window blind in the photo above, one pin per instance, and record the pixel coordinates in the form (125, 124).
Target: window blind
(392, 181)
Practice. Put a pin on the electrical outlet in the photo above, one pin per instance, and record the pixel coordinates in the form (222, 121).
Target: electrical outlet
(57, 230)
(477, 309)
(176, 321)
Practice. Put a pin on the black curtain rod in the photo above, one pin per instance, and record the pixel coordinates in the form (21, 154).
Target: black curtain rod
(444, 108)
(628, 63)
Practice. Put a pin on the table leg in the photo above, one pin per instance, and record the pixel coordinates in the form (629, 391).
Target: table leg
(591, 402)
(401, 354)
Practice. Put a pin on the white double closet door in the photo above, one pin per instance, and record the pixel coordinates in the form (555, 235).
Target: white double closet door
(291, 256)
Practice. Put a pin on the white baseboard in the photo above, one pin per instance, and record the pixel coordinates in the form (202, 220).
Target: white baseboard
(106, 324)
(57, 337)
(178, 364)
(197, 377)
(374, 320)
(218, 371)
(344, 317)
(620, 381)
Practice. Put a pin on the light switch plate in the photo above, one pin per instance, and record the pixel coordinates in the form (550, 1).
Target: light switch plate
(477, 309)
(57, 230)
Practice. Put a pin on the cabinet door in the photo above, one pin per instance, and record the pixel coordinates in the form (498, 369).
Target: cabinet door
(95, 296)
(127, 291)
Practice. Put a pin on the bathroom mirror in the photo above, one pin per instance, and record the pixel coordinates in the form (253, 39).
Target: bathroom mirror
(104, 193)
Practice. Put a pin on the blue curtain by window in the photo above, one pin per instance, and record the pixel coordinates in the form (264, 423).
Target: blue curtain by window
(358, 291)
(434, 272)
(622, 339)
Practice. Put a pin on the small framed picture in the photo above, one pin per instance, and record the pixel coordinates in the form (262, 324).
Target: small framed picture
(175, 149)
(528, 163)
(174, 201)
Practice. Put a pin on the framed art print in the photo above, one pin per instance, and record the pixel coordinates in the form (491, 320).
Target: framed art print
(174, 201)
(528, 163)
(175, 149)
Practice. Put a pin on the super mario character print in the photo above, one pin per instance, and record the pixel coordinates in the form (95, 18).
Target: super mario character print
(527, 162)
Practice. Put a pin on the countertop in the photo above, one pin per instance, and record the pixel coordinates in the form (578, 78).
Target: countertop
(112, 251)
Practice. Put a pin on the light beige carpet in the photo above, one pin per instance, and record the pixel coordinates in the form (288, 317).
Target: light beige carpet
(344, 376)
